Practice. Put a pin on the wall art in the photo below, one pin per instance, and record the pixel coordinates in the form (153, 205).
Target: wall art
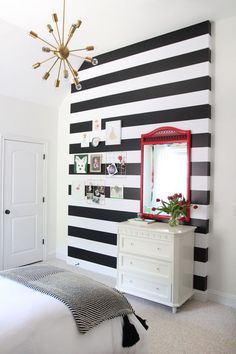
(111, 169)
(85, 139)
(117, 192)
(95, 192)
(113, 132)
(97, 124)
(118, 158)
(95, 163)
(77, 191)
(81, 163)
(95, 141)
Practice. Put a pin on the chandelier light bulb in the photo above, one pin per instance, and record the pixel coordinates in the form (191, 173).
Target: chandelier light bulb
(46, 49)
(36, 65)
(57, 83)
(60, 52)
(50, 29)
(78, 87)
(66, 74)
(94, 61)
(46, 76)
(78, 23)
(33, 34)
(54, 17)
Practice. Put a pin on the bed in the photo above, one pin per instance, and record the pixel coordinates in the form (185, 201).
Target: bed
(32, 322)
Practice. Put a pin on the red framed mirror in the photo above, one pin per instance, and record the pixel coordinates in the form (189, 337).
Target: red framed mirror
(165, 169)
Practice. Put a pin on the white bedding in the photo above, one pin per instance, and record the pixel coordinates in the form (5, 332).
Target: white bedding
(34, 323)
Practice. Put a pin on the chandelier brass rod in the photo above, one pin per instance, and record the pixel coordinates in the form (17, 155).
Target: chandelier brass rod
(42, 62)
(46, 42)
(75, 55)
(71, 68)
(56, 39)
(77, 50)
(59, 71)
(63, 23)
(58, 33)
(66, 75)
(69, 38)
(54, 51)
(53, 65)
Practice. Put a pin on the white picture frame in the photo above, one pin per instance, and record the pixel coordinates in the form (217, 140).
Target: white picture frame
(97, 124)
(113, 132)
(77, 190)
(117, 192)
(85, 139)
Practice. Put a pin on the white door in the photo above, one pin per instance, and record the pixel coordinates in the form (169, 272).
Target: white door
(23, 203)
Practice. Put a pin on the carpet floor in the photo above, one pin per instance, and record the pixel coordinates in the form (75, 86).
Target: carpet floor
(197, 327)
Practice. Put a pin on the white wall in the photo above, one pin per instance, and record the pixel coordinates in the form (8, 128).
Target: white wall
(21, 118)
(222, 247)
(62, 182)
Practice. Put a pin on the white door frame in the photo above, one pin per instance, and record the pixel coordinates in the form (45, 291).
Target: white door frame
(45, 146)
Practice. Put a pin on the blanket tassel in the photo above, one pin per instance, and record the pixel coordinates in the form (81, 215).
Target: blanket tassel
(142, 321)
(130, 334)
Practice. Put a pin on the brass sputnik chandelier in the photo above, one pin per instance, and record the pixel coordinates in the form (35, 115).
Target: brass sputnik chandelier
(60, 51)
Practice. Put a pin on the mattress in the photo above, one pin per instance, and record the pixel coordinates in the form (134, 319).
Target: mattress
(35, 323)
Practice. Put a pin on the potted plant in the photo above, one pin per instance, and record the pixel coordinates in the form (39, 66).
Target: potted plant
(176, 206)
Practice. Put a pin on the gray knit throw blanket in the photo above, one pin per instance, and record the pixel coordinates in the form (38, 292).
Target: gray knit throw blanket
(89, 301)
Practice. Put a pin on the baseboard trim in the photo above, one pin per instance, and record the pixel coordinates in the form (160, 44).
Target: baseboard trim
(200, 295)
(222, 298)
(96, 268)
(61, 256)
(50, 256)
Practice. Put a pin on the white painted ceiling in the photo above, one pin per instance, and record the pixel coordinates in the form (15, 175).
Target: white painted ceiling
(107, 24)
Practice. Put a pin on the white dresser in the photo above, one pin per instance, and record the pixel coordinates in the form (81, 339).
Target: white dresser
(155, 262)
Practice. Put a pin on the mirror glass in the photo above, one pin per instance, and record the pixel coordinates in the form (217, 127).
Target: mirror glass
(165, 170)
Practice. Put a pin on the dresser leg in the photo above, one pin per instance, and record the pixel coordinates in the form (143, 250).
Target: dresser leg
(174, 309)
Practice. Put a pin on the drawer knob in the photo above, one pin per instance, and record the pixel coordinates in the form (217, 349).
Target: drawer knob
(157, 288)
(130, 262)
(158, 269)
(131, 243)
(158, 248)
(131, 281)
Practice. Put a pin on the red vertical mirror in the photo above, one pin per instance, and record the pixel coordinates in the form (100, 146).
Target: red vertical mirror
(165, 168)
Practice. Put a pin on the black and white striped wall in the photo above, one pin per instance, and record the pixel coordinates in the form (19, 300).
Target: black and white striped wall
(161, 81)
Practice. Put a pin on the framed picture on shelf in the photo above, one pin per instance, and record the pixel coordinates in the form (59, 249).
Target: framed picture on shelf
(95, 163)
(81, 163)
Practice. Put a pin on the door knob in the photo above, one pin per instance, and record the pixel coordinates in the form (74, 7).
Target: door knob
(7, 211)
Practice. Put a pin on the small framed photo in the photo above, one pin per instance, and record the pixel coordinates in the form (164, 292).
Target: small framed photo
(111, 169)
(113, 132)
(117, 192)
(85, 139)
(95, 192)
(97, 124)
(81, 163)
(95, 163)
(78, 190)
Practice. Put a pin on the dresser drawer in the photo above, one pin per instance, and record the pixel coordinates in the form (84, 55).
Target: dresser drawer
(154, 288)
(144, 265)
(146, 247)
(141, 232)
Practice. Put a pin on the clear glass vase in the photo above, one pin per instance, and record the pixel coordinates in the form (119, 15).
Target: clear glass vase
(173, 221)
